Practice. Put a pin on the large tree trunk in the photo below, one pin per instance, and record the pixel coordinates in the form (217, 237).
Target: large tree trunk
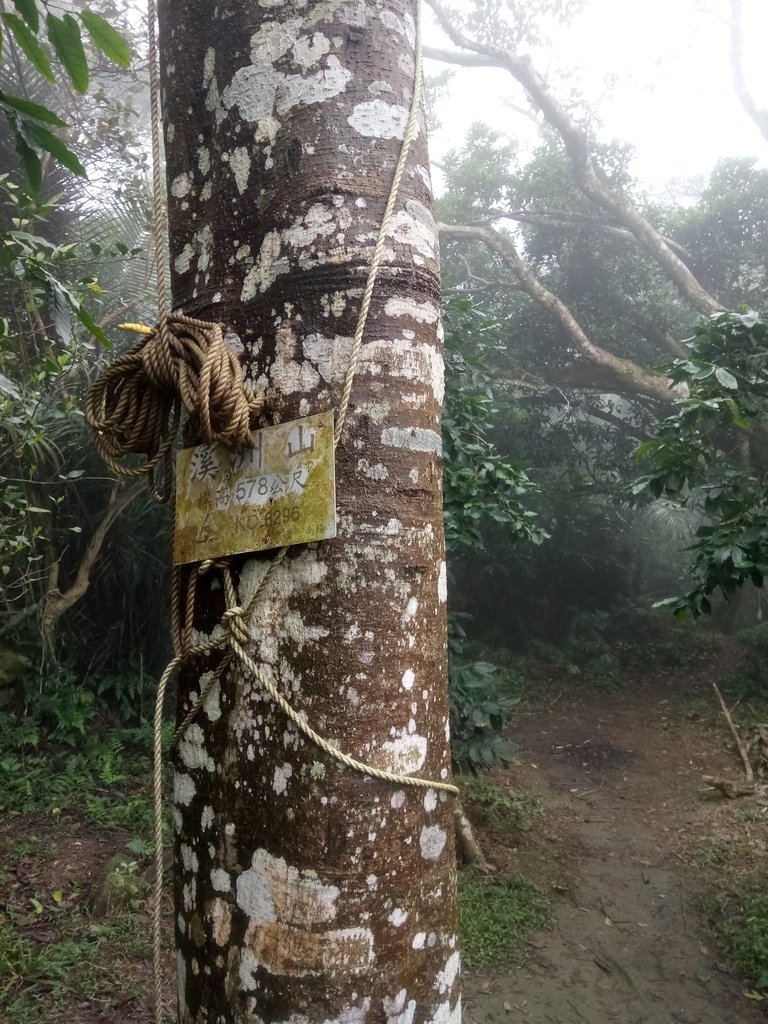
(307, 892)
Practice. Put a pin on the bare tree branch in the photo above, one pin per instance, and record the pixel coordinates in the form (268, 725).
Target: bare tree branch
(569, 219)
(639, 379)
(57, 603)
(576, 142)
(758, 114)
(464, 60)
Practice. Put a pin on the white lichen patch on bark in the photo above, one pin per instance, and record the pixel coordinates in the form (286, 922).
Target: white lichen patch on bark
(280, 778)
(415, 228)
(192, 750)
(181, 185)
(355, 1014)
(335, 303)
(402, 305)
(442, 583)
(292, 952)
(446, 1014)
(220, 880)
(262, 94)
(404, 26)
(399, 1009)
(376, 88)
(212, 702)
(377, 471)
(209, 63)
(446, 978)
(407, 359)
(267, 267)
(188, 857)
(183, 789)
(309, 50)
(415, 439)
(184, 259)
(220, 915)
(271, 890)
(203, 160)
(406, 753)
(240, 165)
(432, 841)
(378, 119)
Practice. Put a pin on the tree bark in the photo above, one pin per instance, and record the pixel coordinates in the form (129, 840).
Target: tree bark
(577, 145)
(307, 892)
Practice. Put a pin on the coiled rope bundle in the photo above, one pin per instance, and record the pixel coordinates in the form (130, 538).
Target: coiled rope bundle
(135, 403)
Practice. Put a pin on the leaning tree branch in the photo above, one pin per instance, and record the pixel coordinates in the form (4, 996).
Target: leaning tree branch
(464, 60)
(576, 141)
(758, 114)
(640, 380)
(741, 746)
(568, 219)
(542, 389)
(58, 602)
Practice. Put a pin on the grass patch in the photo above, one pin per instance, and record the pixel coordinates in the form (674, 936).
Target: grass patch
(56, 952)
(510, 812)
(496, 915)
(740, 922)
(105, 778)
(56, 957)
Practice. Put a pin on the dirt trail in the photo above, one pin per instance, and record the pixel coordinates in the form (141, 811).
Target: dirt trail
(629, 947)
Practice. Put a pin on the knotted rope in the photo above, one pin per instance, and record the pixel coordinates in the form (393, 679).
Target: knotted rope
(134, 404)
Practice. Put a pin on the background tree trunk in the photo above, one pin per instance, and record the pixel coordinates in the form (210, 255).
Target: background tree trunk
(307, 892)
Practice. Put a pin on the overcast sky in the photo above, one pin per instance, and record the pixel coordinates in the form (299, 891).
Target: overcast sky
(659, 72)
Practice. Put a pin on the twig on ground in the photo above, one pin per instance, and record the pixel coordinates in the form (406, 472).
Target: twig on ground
(730, 789)
(740, 745)
(589, 792)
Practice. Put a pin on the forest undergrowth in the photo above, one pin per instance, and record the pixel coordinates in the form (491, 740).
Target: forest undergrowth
(76, 834)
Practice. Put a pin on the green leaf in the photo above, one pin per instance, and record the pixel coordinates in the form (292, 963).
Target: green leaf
(106, 39)
(28, 10)
(35, 110)
(736, 414)
(726, 379)
(90, 324)
(29, 46)
(30, 161)
(40, 137)
(62, 317)
(77, 308)
(64, 34)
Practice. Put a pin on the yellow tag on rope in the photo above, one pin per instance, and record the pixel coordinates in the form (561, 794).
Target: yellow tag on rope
(282, 491)
(137, 328)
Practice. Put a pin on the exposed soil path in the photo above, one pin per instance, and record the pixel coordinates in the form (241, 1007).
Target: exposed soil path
(622, 774)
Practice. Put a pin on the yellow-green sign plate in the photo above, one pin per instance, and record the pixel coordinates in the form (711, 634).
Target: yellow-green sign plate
(281, 491)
